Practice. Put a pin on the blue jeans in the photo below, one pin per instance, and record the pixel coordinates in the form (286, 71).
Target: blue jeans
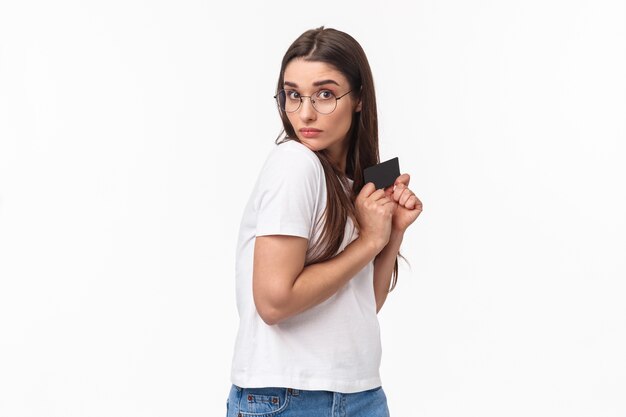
(288, 402)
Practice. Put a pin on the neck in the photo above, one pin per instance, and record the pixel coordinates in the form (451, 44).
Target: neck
(338, 157)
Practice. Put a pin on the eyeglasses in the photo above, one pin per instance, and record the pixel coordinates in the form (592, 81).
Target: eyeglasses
(324, 101)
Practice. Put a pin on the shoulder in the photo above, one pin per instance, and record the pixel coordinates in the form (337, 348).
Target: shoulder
(292, 173)
(293, 158)
(294, 149)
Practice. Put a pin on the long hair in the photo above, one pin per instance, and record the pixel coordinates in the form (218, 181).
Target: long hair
(344, 53)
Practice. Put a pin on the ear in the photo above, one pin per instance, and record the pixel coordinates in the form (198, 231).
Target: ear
(358, 107)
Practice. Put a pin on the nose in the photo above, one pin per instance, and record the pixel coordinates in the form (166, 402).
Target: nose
(307, 112)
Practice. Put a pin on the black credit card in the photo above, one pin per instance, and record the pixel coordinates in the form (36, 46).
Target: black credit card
(384, 174)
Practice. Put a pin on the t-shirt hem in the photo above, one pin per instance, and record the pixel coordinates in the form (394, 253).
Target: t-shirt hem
(285, 229)
(310, 384)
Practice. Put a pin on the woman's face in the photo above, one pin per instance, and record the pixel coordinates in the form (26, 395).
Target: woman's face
(327, 131)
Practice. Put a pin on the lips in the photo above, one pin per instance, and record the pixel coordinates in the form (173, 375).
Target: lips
(309, 132)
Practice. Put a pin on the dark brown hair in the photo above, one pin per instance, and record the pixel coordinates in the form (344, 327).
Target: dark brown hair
(344, 53)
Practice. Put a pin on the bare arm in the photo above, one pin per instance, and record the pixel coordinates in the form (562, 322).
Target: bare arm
(408, 209)
(383, 268)
(283, 287)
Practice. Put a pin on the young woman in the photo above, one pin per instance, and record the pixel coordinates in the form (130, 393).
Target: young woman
(317, 247)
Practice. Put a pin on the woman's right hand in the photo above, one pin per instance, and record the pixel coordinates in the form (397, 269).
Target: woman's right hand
(374, 211)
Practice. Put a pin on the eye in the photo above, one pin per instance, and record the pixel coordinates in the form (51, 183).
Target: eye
(325, 94)
(292, 94)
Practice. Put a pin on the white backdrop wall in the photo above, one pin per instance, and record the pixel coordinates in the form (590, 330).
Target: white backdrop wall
(131, 133)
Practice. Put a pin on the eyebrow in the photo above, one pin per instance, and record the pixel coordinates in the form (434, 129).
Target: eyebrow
(315, 84)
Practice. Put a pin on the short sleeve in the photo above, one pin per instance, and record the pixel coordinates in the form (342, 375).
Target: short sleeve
(287, 193)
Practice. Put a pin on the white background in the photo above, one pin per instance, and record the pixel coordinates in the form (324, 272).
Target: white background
(131, 133)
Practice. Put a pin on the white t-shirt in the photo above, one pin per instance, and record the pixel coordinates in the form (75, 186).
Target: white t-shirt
(333, 346)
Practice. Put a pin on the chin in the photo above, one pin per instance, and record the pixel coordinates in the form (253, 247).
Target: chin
(311, 144)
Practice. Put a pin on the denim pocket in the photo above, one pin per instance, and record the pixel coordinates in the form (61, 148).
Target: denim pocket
(263, 402)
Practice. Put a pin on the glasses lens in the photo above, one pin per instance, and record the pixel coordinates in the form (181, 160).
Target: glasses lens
(288, 101)
(280, 99)
(324, 102)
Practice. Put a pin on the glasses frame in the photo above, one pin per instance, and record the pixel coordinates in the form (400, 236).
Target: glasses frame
(311, 99)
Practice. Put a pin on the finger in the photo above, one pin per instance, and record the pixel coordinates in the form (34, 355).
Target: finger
(414, 203)
(386, 203)
(378, 194)
(406, 194)
(368, 189)
(403, 179)
(411, 202)
(390, 206)
(418, 203)
(397, 193)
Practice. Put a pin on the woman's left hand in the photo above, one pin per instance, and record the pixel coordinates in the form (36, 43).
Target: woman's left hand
(409, 206)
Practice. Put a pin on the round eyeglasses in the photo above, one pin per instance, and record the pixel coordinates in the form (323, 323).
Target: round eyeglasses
(323, 101)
